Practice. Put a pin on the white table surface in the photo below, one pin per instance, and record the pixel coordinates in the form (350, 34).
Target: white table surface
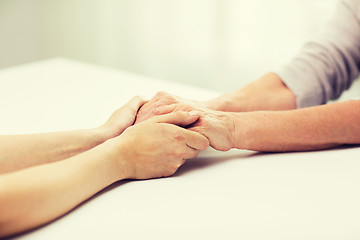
(233, 195)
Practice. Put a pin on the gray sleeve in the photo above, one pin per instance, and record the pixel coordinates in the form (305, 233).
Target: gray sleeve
(327, 66)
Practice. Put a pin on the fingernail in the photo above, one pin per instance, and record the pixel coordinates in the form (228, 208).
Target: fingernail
(193, 113)
(156, 111)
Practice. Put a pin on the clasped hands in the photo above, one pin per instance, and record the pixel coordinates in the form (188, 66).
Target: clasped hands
(216, 126)
(154, 138)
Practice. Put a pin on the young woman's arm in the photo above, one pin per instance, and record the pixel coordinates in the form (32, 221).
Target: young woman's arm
(37, 195)
(22, 151)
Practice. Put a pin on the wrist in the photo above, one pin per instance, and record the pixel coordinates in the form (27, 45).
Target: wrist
(230, 121)
(115, 157)
(240, 132)
(104, 133)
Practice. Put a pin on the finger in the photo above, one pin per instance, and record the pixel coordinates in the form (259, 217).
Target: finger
(154, 101)
(164, 109)
(162, 99)
(142, 114)
(151, 104)
(178, 118)
(135, 103)
(129, 109)
(196, 140)
(190, 153)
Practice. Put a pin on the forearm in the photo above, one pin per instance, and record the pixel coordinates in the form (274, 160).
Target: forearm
(22, 151)
(267, 93)
(298, 130)
(34, 196)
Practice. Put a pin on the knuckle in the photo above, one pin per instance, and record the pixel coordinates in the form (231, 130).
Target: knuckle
(204, 143)
(180, 114)
(177, 154)
(203, 126)
(179, 137)
(194, 155)
(176, 115)
(161, 93)
(171, 172)
(136, 98)
(177, 165)
(174, 169)
(169, 98)
(205, 123)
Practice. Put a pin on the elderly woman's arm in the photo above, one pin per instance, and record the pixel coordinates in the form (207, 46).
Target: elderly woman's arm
(304, 129)
(324, 68)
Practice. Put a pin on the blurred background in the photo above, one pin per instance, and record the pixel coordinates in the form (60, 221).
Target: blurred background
(216, 44)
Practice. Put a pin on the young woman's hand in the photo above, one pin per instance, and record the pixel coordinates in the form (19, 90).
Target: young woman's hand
(157, 147)
(122, 118)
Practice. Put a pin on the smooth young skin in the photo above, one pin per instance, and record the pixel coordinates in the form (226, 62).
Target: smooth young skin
(22, 151)
(238, 123)
(33, 196)
(177, 144)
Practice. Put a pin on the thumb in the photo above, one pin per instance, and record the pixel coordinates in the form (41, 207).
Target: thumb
(135, 103)
(179, 118)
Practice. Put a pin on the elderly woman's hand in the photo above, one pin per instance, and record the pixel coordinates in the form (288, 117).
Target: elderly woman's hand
(163, 103)
(218, 127)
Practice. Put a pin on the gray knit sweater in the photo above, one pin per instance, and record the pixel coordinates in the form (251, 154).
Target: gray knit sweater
(327, 65)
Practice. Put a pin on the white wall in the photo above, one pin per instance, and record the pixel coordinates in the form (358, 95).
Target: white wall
(219, 44)
(19, 32)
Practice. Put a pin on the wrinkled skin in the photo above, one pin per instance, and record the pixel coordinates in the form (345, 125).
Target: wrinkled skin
(217, 126)
(163, 103)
